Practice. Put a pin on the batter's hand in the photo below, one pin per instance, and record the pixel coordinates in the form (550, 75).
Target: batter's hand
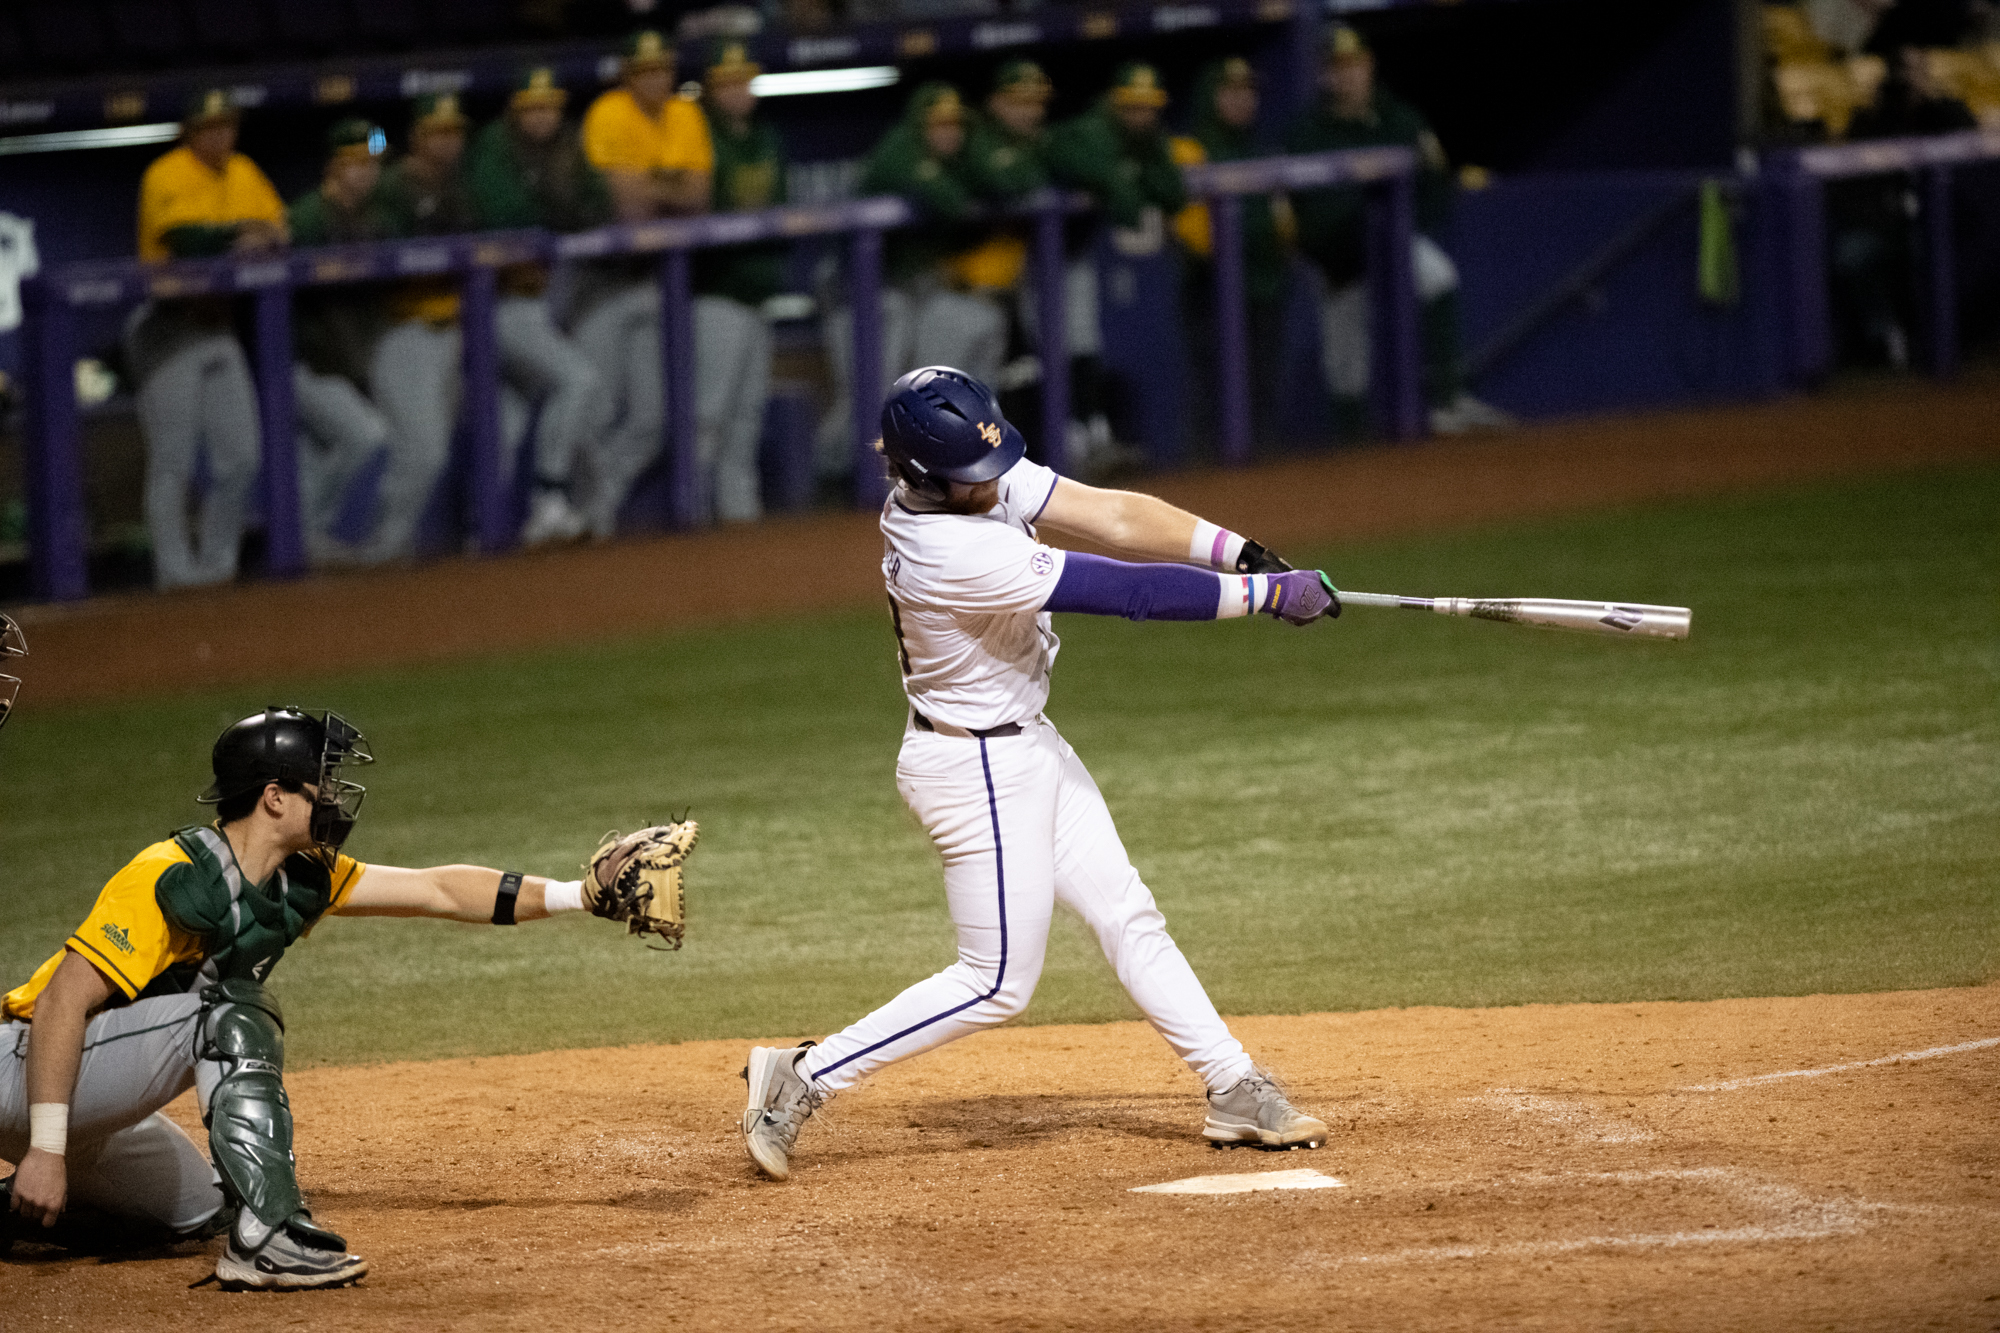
(1258, 559)
(638, 878)
(41, 1186)
(1302, 596)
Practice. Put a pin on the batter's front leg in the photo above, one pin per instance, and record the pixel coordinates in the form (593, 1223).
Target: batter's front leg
(1095, 878)
(988, 806)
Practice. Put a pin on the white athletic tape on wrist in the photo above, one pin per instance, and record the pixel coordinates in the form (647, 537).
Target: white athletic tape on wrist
(1241, 595)
(562, 895)
(1215, 547)
(48, 1127)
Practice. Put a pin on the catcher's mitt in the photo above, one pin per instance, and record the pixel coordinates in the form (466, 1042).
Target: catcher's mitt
(637, 879)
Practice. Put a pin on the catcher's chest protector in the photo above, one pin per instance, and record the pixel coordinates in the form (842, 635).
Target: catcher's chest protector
(246, 928)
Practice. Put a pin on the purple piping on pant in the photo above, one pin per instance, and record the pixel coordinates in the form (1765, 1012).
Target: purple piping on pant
(999, 977)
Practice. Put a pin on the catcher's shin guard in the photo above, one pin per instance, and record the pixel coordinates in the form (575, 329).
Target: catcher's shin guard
(249, 1117)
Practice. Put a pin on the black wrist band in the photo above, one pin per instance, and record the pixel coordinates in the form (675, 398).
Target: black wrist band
(503, 904)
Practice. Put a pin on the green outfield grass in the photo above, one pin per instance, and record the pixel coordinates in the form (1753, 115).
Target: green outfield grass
(1389, 810)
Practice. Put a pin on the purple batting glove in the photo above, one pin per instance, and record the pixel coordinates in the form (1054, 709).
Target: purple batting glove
(1301, 596)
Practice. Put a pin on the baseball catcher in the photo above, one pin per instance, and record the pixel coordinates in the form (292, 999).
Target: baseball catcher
(163, 987)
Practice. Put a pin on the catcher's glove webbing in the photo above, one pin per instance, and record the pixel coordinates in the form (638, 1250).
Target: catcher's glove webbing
(637, 879)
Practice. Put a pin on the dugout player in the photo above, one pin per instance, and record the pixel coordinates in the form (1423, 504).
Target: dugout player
(196, 397)
(527, 169)
(1354, 111)
(1012, 810)
(334, 332)
(731, 284)
(1118, 152)
(652, 145)
(414, 370)
(163, 987)
(927, 316)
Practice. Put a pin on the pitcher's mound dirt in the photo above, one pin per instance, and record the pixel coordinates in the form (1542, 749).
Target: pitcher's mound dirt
(1586, 1166)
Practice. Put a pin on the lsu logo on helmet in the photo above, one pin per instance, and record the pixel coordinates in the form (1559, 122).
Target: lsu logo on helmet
(989, 433)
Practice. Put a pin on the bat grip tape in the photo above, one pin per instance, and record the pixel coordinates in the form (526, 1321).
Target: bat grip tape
(503, 902)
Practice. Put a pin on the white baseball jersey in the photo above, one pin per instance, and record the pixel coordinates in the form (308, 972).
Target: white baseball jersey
(966, 593)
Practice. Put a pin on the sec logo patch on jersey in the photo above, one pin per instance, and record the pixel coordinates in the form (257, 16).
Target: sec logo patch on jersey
(1041, 562)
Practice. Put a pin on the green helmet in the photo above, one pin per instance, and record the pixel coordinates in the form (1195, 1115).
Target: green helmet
(537, 87)
(355, 137)
(208, 106)
(1137, 84)
(438, 111)
(935, 102)
(1023, 79)
(728, 61)
(645, 49)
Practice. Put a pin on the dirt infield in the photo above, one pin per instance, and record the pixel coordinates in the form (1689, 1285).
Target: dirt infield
(1642, 1166)
(143, 644)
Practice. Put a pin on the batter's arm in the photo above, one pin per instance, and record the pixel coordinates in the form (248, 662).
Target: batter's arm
(450, 893)
(1145, 525)
(55, 1053)
(1122, 520)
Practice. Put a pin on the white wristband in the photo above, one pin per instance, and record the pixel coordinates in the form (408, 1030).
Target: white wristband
(1241, 595)
(562, 895)
(1215, 547)
(48, 1127)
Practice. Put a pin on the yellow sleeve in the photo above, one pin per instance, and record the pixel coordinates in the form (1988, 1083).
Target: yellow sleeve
(162, 198)
(126, 936)
(616, 134)
(686, 145)
(251, 194)
(347, 873)
(1191, 224)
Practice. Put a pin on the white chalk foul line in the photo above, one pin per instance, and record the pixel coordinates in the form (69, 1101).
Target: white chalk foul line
(1800, 1217)
(1902, 1058)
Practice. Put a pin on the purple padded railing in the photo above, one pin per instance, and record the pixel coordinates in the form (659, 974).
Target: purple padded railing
(58, 532)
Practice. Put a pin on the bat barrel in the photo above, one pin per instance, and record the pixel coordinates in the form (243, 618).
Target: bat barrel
(1638, 620)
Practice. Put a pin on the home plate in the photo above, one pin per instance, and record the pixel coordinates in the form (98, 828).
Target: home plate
(1304, 1179)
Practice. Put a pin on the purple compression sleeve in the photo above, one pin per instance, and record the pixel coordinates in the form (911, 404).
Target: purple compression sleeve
(1100, 587)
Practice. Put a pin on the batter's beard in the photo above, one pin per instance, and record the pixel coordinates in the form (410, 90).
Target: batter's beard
(974, 502)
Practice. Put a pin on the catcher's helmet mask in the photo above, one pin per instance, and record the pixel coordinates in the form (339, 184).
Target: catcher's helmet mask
(294, 748)
(940, 425)
(13, 643)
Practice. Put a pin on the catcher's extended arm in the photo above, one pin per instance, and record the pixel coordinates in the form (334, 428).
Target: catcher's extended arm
(637, 878)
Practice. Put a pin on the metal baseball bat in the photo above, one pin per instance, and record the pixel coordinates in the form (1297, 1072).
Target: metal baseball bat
(1617, 619)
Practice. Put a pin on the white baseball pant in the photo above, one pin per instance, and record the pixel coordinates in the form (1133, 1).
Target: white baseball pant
(124, 1157)
(1022, 826)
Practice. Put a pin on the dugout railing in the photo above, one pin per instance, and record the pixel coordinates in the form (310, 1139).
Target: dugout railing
(1801, 175)
(58, 532)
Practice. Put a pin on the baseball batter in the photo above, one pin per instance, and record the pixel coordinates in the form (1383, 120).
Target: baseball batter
(1014, 814)
(162, 988)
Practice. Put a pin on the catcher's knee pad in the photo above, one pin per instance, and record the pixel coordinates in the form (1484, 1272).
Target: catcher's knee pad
(249, 1117)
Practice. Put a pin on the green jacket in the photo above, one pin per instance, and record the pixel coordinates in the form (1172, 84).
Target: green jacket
(415, 208)
(1263, 253)
(1125, 172)
(1331, 230)
(944, 191)
(749, 176)
(516, 183)
(334, 328)
(1005, 165)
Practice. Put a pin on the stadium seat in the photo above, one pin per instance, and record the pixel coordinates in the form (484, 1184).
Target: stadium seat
(69, 38)
(147, 32)
(232, 28)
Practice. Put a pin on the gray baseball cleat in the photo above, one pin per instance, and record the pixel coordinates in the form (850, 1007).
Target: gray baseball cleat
(779, 1103)
(1255, 1111)
(285, 1257)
